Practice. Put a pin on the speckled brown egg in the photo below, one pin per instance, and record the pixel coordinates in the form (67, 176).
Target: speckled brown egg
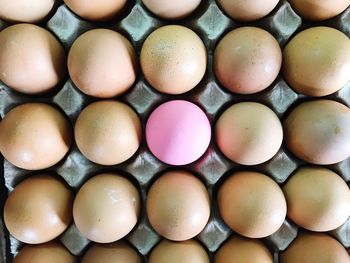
(106, 208)
(39, 209)
(247, 60)
(318, 132)
(178, 205)
(173, 59)
(52, 252)
(189, 251)
(252, 204)
(32, 61)
(34, 136)
(315, 247)
(171, 9)
(242, 250)
(108, 132)
(316, 62)
(102, 63)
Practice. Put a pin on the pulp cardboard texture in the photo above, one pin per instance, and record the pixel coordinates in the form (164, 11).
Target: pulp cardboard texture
(136, 23)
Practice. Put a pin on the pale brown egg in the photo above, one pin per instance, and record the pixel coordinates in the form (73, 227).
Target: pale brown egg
(243, 250)
(189, 251)
(317, 199)
(32, 61)
(39, 209)
(108, 132)
(315, 247)
(119, 252)
(173, 59)
(247, 10)
(178, 205)
(34, 136)
(52, 252)
(252, 204)
(102, 63)
(247, 60)
(106, 208)
(318, 132)
(316, 62)
(171, 9)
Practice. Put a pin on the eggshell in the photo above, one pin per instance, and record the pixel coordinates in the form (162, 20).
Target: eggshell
(249, 133)
(178, 205)
(39, 209)
(171, 9)
(34, 136)
(173, 59)
(102, 63)
(106, 208)
(189, 251)
(315, 247)
(318, 132)
(108, 132)
(252, 204)
(316, 62)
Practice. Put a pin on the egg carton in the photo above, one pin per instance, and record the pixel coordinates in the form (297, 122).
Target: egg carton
(136, 23)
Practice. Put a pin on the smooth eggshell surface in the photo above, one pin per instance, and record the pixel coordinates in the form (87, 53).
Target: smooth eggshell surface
(171, 9)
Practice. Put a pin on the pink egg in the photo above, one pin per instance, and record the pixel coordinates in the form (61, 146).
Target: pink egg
(178, 132)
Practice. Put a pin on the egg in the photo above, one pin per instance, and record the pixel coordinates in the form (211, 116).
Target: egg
(108, 132)
(52, 252)
(249, 133)
(317, 199)
(171, 9)
(119, 252)
(39, 209)
(96, 10)
(242, 250)
(30, 11)
(178, 205)
(106, 208)
(247, 10)
(34, 136)
(315, 247)
(317, 132)
(247, 60)
(102, 63)
(316, 62)
(252, 204)
(189, 251)
(173, 59)
(319, 10)
(32, 61)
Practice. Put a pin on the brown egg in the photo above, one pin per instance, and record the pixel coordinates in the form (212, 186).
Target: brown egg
(189, 251)
(252, 204)
(319, 10)
(173, 59)
(317, 199)
(178, 205)
(171, 9)
(247, 10)
(315, 247)
(102, 63)
(46, 253)
(29, 11)
(316, 62)
(249, 133)
(34, 136)
(100, 10)
(108, 132)
(32, 61)
(119, 252)
(318, 132)
(39, 209)
(106, 208)
(247, 60)
(243, 250)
